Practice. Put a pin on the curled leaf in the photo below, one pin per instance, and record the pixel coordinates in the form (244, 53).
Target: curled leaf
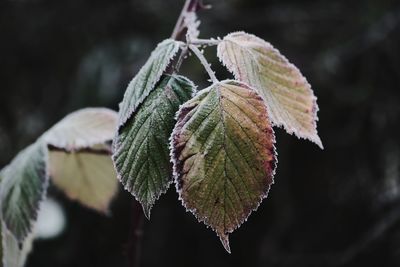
(141, 154)
(83, 129)
(80, 156)
(223, 154)
(291, 102)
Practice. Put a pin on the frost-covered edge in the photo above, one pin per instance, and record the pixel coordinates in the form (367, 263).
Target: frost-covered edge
(109, 112)
(174, 160)
(123, 119)
(147, 211)
(316, 139)
(43, 196)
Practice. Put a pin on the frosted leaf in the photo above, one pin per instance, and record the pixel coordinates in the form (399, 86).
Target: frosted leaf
(14, 255)
(83, 129)
(23, 188)
(146, 79)
(91, 176)
(223, 154)
(141, 154)
(80, 158)
(291, 102)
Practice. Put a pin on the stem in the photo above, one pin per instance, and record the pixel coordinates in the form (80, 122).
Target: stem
(208, 42)
(204, 62)
(136, 231)
(181, 58)
(136, 234)
(180, 29)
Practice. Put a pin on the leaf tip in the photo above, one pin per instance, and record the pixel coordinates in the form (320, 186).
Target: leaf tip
(318, 142)
(147, 210)
(225, 241)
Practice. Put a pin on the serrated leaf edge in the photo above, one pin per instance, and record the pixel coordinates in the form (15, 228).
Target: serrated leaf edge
(43, 196)
(147, 208)
(316, 139)
(224, 238)
(122, 121)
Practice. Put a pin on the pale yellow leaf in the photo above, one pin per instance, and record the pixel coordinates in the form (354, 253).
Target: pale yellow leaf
(290, 101)
(85, 176)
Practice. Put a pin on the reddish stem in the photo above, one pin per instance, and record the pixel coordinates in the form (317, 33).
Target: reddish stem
(180, 29)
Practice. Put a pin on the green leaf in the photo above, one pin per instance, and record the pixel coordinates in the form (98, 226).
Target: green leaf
(85, 176)
(291, 102)
(14, 255)
(147, 78)
(83, 129)
(224, 156)
(23, 188)
(141, 154)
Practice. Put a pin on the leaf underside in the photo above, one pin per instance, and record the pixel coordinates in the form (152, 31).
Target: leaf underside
(141, 154)
(291, 102)
(224, 156)
(146, 79)
(87, 177)
(80, 158)
(23, 188)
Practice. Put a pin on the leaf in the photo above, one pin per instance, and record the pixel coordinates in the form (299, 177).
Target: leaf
(141, 154)
(224, 156)
(147, 78)
(1, 245)
(23, 188)
(80, 158)
(289, 98)
(85, 176)
(83, 129)
(13, 254)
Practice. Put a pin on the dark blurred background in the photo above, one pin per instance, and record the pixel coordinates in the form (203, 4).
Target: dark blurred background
(336, 207)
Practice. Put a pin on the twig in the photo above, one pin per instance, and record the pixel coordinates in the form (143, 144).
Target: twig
(180, 31)
(204, 62)
(181, 58)
(180, 28)
(207, 42)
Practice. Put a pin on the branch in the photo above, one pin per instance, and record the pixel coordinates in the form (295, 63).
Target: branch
(180, 28)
